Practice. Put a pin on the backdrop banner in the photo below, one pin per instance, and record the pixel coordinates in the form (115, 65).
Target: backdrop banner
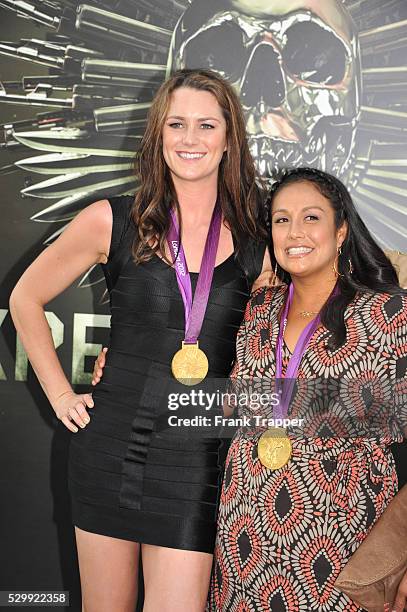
(322, 83)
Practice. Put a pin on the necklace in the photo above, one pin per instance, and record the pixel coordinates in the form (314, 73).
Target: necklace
(308, 313)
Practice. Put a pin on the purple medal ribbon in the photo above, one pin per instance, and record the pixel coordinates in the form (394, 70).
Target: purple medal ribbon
(294, 362)
(195, 309)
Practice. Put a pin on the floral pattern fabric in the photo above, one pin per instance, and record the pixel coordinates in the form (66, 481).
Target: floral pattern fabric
(284, 535)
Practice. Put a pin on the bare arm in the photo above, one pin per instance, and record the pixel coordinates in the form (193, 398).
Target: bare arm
(85, 242)
(265, 278)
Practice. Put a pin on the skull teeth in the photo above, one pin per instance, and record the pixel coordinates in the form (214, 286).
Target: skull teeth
(271, 154)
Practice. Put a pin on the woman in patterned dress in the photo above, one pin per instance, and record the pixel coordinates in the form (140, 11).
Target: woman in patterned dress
(284, 534)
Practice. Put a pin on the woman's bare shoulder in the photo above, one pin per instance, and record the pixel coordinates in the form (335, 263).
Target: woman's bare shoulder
(95, 222)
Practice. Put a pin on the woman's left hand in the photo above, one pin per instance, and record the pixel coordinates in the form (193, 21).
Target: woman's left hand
(399, 604)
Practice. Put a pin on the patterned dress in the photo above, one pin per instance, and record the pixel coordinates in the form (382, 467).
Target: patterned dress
(284, 535)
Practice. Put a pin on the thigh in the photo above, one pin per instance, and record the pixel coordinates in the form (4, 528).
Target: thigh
(175, 580)
(109, 572)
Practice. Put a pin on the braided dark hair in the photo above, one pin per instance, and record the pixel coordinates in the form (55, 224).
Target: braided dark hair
(362, 264)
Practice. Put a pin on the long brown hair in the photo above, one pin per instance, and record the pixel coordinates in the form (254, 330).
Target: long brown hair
(240, 190)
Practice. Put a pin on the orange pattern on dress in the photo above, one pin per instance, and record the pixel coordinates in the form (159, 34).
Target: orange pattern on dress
(284, 535)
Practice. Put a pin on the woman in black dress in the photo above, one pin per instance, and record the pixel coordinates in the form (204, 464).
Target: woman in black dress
(133, 488)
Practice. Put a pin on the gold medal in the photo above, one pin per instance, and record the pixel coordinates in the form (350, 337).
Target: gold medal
(190, 364)
(274, 448)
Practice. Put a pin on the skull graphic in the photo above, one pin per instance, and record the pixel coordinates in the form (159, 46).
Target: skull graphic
(295, 65)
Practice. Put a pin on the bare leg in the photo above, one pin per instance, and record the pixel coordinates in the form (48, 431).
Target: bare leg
(175, 580)
(109, 572)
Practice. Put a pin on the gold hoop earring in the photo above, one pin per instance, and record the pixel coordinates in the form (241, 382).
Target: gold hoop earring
(274, 282)
(334, 268)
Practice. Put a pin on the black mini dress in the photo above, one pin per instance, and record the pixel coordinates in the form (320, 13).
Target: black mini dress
(127, 478)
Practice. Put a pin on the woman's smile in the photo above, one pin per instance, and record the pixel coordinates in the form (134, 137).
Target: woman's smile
(298, 251)
(190, 155)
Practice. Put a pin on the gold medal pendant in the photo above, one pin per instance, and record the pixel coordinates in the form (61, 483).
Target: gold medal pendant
(274, 448)
(190, 364)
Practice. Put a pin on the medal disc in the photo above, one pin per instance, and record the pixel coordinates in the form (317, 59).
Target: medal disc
(274, 448)
(190, 364)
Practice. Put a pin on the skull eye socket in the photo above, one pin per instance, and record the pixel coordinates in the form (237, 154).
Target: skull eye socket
(218, 48)
(313, 54)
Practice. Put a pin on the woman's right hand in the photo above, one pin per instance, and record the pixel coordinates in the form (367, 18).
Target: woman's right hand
(99, 365)
(70, 408)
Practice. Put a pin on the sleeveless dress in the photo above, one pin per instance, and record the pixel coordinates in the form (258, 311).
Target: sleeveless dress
(284, 535)
(126, 479)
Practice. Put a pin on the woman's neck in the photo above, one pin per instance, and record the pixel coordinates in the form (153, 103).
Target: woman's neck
(311, 294)
(196, 200)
